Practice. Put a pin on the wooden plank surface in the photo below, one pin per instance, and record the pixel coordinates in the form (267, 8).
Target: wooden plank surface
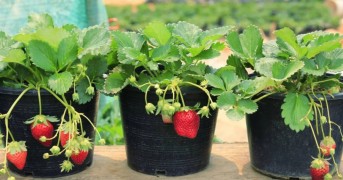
(228, 161)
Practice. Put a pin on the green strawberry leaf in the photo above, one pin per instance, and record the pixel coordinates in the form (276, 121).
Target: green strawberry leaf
(95, 41)
(235, 114)
(115, 82)
(239, 67)
(323, 44)
(283, 70)
(226, 100)
(67, 52)
(15, 56)
(213, 34)
(61, 82)
(336, 59)
(316, 66)
(287, 41)
(158, 33)
(37, 21)
(96, 67)
(186, 33)
(160, 53)
(247, 45)
(265, 65)
(208, 54)
(247, 106)
(52, 36)
(215, 81)
(43, 55)
(295, 111)
(81, 87)
(128, 55)
(251, 87)
(230, 79)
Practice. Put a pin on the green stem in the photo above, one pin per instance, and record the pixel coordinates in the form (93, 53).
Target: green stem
(39, 100)
(264, 96)
(203, 89)
(328, 114)
(181, 96)
(58, 98)
(146, 94)
(314, 135)
(91, 124)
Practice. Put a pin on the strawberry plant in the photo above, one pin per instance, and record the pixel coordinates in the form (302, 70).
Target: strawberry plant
(304, 68)
(61, 61)
(165, 59)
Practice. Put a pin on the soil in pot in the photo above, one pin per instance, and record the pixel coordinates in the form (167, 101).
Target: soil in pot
(28, 107)
(153, 147)
(278, 151)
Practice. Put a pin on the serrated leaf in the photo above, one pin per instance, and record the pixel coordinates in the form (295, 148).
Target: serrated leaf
(15, 56)
(287, 41)
(186, 33)
(152, 66)
(235, 114)
(215, 81)
(230, 79)
(226, 100)
(336, 59)
(239, 67)
(67, 52)
(37, 21)
(213, 34)
(265, 65)
(194, 51)
(160, 53)
(5, 41)
(251, 87)
(96, 67)
(128, 55)
(315, 67)
(115, 82)
(247, 106)
(43, 55)
(247, 45)
(208, 54)
(122, 39)
(295, 111)
(158, 32)
(52, 36)
(283, 70)
(81, 87)
(216, 92)
(61, 82)
(137, 39)
(95, 40)
(323, 44)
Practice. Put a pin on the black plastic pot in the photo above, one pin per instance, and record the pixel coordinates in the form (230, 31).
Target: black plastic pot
(28, 107)
(153, 147)
(278, 151)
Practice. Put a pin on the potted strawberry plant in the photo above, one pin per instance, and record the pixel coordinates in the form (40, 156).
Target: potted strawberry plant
(293, 100)
(168, 114)
(48, 81)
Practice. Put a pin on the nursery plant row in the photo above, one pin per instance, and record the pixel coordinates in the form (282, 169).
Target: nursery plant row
(300, 16)
(51, 78)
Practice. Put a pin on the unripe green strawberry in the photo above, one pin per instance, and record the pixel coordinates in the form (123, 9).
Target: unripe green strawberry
(177, 106)
(204, 83)
(328, 176)
(68, 153)
(204, 111)
(42, 139)
(156, 86)
(90, 90)
(11, 178)
(150, 108)
(166, 118)
(2, 171)
(46, 156)
(75, 96)
(213, 105)
(102, 141)
(159, 91)
(132, 79)
(323, 119)
(66, 166)
(55, 150)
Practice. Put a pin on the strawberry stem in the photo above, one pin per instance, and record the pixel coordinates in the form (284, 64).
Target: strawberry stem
(181, 96)
(91, 124)
(328, 114)
(39, 100)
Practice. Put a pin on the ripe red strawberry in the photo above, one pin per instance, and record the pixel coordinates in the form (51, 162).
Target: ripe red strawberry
(319, 168)
(186, 123)
(17, 153)
(327, 146)
(64, 137)
(80, 147)
(41, 127)
(80, 157)
(66, 133)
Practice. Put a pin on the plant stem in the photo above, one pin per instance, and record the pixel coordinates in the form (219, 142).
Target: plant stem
(203, 89)
(58, 98)
(91, 124)
(181, 96)
(264, 96)
(39, 100)
(328, 114)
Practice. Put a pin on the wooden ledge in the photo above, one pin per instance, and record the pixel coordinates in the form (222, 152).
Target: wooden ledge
(228, 161)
